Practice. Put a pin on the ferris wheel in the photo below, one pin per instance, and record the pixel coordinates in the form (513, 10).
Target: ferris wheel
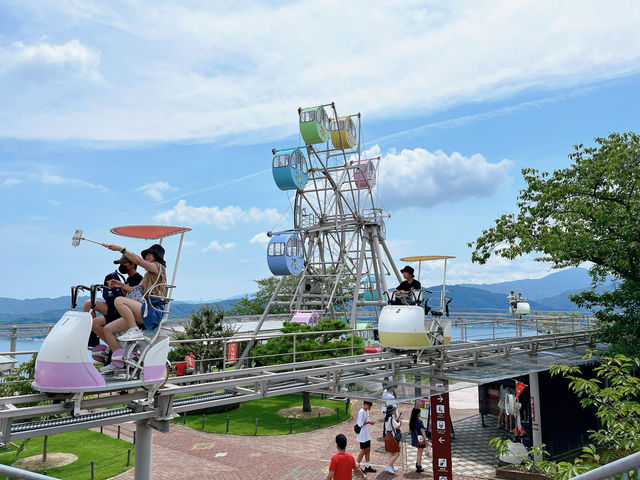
(334, 259)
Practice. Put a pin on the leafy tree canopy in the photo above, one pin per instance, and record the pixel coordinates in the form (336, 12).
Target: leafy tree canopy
(256, 303)
(588, 212)
(207, 322)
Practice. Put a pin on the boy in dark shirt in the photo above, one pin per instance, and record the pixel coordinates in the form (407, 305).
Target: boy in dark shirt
(342, 463)
(409, 284)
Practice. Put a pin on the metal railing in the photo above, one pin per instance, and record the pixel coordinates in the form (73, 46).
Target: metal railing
(623, 468)
(13, 472)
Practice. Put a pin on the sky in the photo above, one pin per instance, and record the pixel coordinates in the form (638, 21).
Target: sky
(117, 113)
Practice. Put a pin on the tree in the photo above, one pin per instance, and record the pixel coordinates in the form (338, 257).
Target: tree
(308, 347)
(614, 392)
(256, 303)
(207, 322)
(19, 381)
(587, 212)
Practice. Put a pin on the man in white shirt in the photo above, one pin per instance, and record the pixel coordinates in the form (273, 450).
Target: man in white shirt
(388, 395)
(364, 437)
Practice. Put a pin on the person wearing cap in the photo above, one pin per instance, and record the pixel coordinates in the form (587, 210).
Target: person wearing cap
(146, 313)
(116, 289)
(408, 285)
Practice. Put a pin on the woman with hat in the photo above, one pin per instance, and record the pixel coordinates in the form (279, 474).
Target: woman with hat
(140, 310)
(408, 285)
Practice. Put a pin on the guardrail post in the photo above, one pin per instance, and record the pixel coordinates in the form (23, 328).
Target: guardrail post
(128, 457)
(184, 418)
(224, 353)
(290, 424)
(318, 420)
(14, 337)
(202, 422)
(255, 432)
(227, 429)
(92, 470)
(294, 348)
(118, 431)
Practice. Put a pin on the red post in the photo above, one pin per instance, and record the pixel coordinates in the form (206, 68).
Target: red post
(441, 433)
(232, 355)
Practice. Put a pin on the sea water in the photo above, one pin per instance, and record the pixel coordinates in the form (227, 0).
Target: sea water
(22, 344)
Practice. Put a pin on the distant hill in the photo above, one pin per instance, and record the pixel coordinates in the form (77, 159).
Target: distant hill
(574, 279)
(549, 293)
(49, 310)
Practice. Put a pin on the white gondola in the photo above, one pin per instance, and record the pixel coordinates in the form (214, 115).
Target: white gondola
(413, 324)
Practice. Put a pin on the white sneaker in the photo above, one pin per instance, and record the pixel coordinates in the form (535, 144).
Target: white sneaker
(390, 469)
(395, 470)
(131, 335)
(107, 369)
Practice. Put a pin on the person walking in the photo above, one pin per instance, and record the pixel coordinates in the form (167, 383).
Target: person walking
(363, 436)
(418, 437)
(342, 463)
(392, 422)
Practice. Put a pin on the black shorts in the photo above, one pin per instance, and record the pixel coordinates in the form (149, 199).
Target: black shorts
(366, 444)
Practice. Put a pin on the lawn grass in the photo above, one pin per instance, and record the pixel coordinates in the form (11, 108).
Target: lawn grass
(242, 421)
(109, 454)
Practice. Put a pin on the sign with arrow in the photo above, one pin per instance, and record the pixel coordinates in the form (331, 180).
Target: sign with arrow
(441, 433)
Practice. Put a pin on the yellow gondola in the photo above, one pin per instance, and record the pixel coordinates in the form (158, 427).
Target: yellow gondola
(343, 132)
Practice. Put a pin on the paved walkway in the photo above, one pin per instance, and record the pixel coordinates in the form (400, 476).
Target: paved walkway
(184, 453)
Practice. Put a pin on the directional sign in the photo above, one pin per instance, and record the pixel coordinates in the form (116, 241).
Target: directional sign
(441, 434)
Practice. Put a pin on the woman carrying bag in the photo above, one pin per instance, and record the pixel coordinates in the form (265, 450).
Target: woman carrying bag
(392, 437)
(418, 437)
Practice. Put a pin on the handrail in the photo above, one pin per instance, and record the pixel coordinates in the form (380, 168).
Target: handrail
(621, 466)
(14, 472)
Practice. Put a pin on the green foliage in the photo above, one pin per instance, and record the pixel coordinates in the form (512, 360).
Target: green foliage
(242, 420)
(308, 347)
(19, 382)
(256, 303)
(614, 392)
(587, 212)
(207, 322)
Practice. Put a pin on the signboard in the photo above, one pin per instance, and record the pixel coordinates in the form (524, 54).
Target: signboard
(232, 353)
(441, 433)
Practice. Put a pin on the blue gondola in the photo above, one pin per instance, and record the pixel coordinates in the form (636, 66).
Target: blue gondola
(289, 168)
(370, 288)
(285, 254)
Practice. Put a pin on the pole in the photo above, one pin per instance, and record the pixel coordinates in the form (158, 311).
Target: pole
(249, 346)
(356, 290)
(536, 420)
(143, 450)
(444, 286)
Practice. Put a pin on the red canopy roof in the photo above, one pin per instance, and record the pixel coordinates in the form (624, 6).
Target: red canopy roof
(148, 232)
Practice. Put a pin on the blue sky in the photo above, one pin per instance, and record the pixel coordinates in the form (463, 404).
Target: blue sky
(122, 113)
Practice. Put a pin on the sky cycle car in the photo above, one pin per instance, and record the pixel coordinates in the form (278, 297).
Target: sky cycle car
(63, 365)
(519, 306)
(405, 323)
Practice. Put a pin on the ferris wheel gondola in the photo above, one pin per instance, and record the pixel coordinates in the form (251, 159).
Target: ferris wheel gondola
(314, 124)
(290, 169)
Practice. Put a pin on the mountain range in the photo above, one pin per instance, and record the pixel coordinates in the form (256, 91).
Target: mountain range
(544, 294)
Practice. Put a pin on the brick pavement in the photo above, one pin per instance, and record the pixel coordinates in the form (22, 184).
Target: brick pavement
(184, 453)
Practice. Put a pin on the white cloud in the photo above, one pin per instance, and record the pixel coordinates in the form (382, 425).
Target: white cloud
(224, 218)
(10, 182)
(260, 239)
(419, 178)
(54, 179)
(217, 246)
(54, 202)
(244, 71)
(41, 59)
(156, 190)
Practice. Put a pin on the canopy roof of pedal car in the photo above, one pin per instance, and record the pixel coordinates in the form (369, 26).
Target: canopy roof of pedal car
(426, 257)
(148, 232)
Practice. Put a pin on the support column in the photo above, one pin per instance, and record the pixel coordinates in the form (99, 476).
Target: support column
(536, 419)
(144, 443)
